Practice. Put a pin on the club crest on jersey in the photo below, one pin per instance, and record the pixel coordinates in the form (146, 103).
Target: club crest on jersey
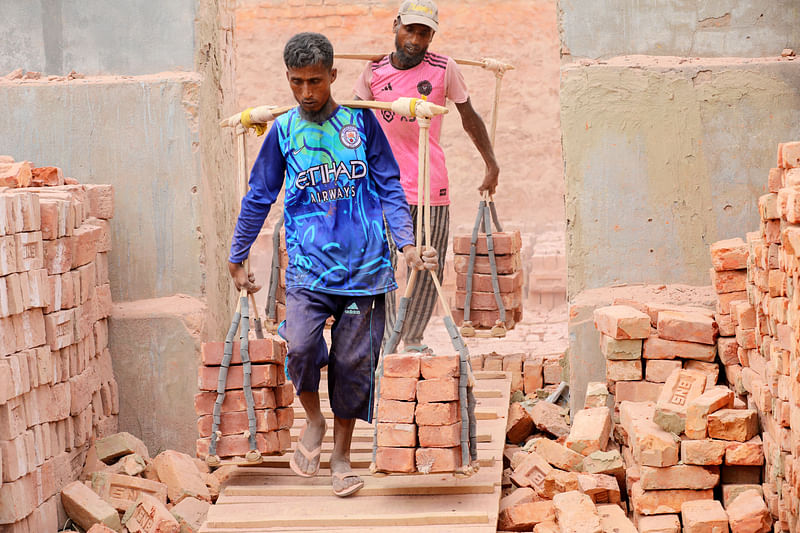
(350, 137)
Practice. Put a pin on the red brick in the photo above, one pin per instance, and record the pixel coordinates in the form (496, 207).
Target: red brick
(703, 516)
(532, 375)
(728, 280)
(285, 417)
(394, 435)
(624, 370)
(433, 460)
(657, 348)
(681, 387)
(8, 255)
(749, 453)
(237, 422)
(178, 472)
(30, 329)
(30, 253)
(122, 491)
(150, 516)
(101, 200)
(86, 508)
(789, 155)
(103, 298)
(437, 390)
(524, 516)
(637, 391)
(396, 411)
(728, 350)
(652, 445)
(401, 460)
(749, 514)
(401, 365)
(744, 314)
(235, 401)
(725, 324)
(613, 518)
(531, 472)
(58, 254)
(441, 413)
(487, 301)
(440, 436)
(590, 430)
(46, 177)
(733, 424)
(266, 375)
(506, 264)
(729, 254)
(82, 387)
(679, 477)
(699, 408)
(622, 322)
(14, 457)
(104, 236)
(85, 240)
(549, 417)
(191, 514)
(12, 419)
(519, 425)
(403, 389)
(575, 512)
(268, 350)
(483, 282)
(504, 242)
(663, 523)
(557, 454)
(664, 501)
(687, 326)
(600, 488)
(659, 370)
(439, 366)
(724, 301)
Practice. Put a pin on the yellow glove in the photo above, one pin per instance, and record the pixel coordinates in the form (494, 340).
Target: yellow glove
(259, 128)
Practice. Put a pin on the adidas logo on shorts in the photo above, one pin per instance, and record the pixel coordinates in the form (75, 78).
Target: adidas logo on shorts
(352, 309)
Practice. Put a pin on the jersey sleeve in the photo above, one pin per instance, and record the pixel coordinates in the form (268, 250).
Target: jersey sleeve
(266, 181)
(455, 87)
(362, 87)
(386, 174)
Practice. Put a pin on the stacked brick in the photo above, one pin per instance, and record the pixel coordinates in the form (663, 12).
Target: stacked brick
(547, 277)
(484, 311)
(645, 343)
(684, 439)
(535, 375)
(767, 322)
(57, 388)
(272, 394)
(122, 489)
(419, 414)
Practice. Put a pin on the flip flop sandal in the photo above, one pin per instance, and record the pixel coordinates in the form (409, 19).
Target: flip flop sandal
(352, 489)
(310, 457)
(417, 348)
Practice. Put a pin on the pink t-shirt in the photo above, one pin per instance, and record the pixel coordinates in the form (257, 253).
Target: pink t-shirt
(439, 79)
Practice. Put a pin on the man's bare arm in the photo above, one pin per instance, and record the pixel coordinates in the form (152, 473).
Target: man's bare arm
(476, 129)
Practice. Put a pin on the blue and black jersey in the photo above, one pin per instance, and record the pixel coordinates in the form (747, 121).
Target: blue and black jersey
(340, 179)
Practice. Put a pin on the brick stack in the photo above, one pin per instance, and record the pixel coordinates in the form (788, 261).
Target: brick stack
(484, 310)
(729, 278)
(419, 414)
(273, 398)
(769, 317)
(547, 277)
(57, 388)
(645, 343)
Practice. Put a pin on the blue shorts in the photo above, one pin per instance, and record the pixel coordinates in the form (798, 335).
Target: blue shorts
(356, 338)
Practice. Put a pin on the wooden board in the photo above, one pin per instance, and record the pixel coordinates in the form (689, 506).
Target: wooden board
(269, 497)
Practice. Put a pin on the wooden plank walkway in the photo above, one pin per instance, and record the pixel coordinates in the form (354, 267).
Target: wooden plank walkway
(269, 497)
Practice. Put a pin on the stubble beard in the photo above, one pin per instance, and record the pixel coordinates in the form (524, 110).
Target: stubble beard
(319, 116)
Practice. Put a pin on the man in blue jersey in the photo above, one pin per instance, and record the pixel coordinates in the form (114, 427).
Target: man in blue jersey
(340, 180)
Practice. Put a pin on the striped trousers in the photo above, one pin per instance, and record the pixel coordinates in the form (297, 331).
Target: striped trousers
(423, 296)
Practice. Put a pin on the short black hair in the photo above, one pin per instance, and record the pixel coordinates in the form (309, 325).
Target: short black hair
(308, 48)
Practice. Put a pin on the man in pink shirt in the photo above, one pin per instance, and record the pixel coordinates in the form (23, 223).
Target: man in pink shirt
(411, 70)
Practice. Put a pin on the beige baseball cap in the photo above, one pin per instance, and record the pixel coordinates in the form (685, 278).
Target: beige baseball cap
(419, 12)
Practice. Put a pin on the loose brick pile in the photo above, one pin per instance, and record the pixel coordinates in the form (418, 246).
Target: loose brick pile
(273, 397)
(57, 388)
(682, 436)
(419, 414)
(121, 486)
(484, 310)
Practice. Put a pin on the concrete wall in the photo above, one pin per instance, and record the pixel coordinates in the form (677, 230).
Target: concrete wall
(664, 157)
(718, 28)
(97, 36)
(153, 135)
